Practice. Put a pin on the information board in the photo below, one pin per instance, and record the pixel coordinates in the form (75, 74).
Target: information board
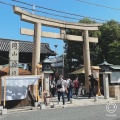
(14, 58)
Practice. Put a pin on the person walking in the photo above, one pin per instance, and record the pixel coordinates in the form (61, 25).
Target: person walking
(69, 88)
(76, 86)
(52, 86)
(61, 88)
(40, 86)
(67, 84)
(92, 84)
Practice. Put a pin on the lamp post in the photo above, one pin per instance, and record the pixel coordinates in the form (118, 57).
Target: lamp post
(105, 70)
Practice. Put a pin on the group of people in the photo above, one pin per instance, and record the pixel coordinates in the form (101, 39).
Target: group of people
(64, 86)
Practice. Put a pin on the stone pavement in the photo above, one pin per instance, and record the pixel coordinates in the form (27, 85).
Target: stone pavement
(83, 101)
(77, 101)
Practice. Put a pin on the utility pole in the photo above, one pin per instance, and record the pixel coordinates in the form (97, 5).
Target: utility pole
(33, 9)
(56, 59)
(55, 50)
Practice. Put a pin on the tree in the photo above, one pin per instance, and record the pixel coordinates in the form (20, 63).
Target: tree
(114, 52)
(74, 49)
(108, 46)
(109, 41)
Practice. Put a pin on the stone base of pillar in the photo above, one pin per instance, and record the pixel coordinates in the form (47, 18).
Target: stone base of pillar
(36, 104)
(71, 100)
(4, 111)
(42, 106)
(96, 99)
(117, 97)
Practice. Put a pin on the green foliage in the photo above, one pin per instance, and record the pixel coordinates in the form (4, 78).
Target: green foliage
(108, 46)
(74, 49)
(110, 35)
(114, 52)
(87, 20)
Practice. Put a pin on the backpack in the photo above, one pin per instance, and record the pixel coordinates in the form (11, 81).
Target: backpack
(59, 85)
(52, 83)
(70, 85)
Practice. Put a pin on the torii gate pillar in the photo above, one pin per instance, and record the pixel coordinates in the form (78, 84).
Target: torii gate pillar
(86, 55)
(36, 47)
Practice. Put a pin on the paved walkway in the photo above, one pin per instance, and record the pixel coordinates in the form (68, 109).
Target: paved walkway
(77, 101)
(84, 101)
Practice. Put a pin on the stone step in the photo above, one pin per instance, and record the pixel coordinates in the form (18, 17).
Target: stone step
(3, 111)
(1, 107)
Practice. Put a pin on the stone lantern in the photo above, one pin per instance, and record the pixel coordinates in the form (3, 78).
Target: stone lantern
(46, 64)
(105, 66)
(105, 70)
(46, 70)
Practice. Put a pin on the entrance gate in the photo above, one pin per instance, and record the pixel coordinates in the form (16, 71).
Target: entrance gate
(62, 25)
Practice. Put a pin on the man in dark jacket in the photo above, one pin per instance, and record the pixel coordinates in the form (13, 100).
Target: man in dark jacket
(92, 84)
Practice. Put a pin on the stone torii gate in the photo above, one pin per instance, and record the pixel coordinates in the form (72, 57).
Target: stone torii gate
(38, 21)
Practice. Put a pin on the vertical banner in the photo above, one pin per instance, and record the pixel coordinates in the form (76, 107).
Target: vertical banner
(14, 58)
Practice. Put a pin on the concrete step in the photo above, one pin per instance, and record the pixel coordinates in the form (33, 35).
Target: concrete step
(1, 107)
(3, 111)
(28, 108)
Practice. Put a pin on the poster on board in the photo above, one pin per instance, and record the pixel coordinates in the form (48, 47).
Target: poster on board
(16, 86)
(115, 77)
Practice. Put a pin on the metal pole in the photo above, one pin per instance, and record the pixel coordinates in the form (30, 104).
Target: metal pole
(55, 50)
(33, 9)
(4, 91)
(42, 87)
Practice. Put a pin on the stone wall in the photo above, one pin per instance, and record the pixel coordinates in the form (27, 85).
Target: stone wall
(18, 103)
(114, 90)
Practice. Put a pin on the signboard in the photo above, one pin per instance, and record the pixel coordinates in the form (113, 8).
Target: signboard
(14, 71)
(115, 77)
(95, 73)
(13, 63)
(14, 58)
(14, 54)
(17, 86)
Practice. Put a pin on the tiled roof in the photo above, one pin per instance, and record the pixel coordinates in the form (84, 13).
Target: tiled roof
(115, 67)
(25, 46)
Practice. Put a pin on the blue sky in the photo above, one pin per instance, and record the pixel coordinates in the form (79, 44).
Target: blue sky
(10, 23)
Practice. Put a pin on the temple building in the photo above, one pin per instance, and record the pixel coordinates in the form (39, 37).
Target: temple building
(25, 60)
(25, 51)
